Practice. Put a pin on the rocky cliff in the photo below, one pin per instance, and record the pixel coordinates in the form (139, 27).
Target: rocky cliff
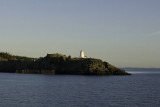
(57, 64)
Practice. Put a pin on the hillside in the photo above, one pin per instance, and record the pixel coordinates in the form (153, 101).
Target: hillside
(57, 64)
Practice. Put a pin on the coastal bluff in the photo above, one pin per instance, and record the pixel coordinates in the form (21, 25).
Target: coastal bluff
(57, 64)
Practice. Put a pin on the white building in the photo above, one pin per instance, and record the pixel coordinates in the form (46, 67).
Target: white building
(82, 54)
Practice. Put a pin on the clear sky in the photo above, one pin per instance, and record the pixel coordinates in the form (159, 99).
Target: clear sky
(125, 33)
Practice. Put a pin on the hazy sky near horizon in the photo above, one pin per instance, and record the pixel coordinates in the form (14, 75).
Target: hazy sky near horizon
(126, 33)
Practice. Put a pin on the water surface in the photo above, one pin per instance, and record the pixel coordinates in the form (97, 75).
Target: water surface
(141, 89)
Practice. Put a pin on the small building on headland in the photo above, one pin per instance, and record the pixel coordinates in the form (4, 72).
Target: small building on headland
(82, 54)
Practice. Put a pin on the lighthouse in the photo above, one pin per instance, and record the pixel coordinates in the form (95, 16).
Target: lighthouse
(82, 54)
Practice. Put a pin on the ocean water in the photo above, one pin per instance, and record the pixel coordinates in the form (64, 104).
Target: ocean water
(141, 89)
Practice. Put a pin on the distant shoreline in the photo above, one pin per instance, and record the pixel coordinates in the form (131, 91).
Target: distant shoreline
(138, 68)
(57, 64)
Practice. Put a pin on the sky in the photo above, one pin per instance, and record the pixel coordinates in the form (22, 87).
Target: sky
(125, 33)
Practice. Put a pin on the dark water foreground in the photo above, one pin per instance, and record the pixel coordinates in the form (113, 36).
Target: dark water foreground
(142, 89)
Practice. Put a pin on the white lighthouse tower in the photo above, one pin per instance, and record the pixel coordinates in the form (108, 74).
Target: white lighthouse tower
(82, 54)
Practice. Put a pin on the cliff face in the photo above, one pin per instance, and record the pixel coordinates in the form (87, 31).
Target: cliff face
(81, 66)
(88, 66)
(59, 64)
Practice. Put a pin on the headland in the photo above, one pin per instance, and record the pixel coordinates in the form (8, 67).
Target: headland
(57, 64)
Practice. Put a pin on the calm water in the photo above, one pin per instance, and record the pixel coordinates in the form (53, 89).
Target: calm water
(142, 89)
